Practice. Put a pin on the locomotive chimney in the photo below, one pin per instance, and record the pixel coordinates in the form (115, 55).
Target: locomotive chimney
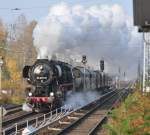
(46, 58)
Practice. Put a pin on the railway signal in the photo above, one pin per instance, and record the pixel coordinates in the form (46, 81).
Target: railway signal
(141, 12)
(84, 61)
(102, 65)
(102, 70)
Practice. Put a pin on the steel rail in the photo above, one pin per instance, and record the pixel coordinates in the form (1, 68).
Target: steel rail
(44, 120)
(104, 119)
(69, 113)
(38, 120)
(15, 119)
(14, 109)
(77, 122)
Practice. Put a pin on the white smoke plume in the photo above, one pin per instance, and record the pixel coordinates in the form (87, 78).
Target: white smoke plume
(99, 31)
(80, 99)
(26, 108)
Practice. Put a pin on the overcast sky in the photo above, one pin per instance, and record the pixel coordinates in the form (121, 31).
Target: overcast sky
(125, 36)
(35, 9)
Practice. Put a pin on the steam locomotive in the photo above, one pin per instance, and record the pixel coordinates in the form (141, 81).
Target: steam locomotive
(49, 82)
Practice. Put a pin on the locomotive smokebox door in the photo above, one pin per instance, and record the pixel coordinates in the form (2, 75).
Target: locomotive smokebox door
(141, 11)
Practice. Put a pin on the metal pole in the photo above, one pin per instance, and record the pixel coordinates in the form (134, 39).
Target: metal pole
(0, 81)
(102, 79)
(1, 110)
(144, 66)
(116, 81)
(16, 129)
(44, 117)
(36, 122)
(119, 76)
(1, 120)
(27, 123)
(84, 61)
(119, 81)
(84, 78)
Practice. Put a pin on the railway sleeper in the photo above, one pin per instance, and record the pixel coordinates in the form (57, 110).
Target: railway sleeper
(78, 114)
(64, 122)
(72, 118)
(54, 129)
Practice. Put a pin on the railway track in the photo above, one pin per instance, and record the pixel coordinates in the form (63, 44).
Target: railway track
(69, 121)
(86, 124)
(13, 109)
(14, 118)
(81, 120)
(59, 120)
(16, 125)
(14, 114)
(36, 120)
(86, 120)
(10, 106)
(19, 123)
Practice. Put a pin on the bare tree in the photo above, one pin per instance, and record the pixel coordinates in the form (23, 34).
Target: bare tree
(23, 43)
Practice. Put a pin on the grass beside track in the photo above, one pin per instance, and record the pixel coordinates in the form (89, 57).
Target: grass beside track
(132, 117)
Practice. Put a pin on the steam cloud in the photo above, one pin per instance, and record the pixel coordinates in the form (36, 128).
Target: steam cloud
(99, 31)
(80, 99)
(26, 108)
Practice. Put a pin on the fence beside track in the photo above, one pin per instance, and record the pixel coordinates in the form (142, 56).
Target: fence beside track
(36, 122)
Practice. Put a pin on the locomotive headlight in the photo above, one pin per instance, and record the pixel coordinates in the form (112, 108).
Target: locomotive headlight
(30, 94)
(52, 94)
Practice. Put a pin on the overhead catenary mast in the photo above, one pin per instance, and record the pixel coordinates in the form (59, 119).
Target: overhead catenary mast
(102, 70)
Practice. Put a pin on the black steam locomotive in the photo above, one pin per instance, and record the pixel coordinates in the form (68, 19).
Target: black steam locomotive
(49, 82)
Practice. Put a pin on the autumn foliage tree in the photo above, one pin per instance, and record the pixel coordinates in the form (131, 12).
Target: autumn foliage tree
(24, 41)
(16, 46)
(3, 46)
